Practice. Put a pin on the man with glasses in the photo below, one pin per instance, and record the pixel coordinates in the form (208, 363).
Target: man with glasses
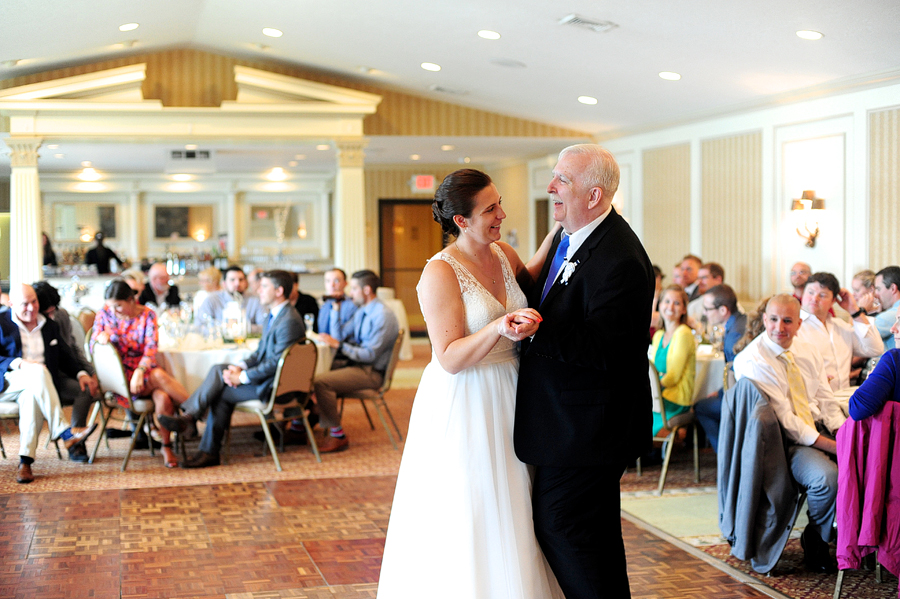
(799, 274)
(720, 308)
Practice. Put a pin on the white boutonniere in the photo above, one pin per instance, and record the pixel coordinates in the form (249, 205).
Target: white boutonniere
(567, 271)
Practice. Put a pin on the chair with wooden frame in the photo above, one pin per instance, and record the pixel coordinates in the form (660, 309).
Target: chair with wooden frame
(293, 379)
(376, 396)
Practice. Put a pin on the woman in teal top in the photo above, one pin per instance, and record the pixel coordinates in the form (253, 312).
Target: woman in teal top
(674, 355)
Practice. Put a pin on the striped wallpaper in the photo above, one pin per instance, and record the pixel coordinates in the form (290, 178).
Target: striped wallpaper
(667, 205)
(731, 214)
(884, 188)
(186, 77)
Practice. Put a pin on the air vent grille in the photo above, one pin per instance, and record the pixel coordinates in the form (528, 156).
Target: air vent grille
(585, 23)
(446, 90)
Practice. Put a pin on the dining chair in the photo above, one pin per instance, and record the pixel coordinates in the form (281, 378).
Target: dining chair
(113, 383)
(376, 396)
(670, 426)
(294, 382)
(86, 317)
(9, 410)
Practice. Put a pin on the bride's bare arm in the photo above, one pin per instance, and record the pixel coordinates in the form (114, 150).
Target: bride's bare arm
(442, 307)
(527, 274)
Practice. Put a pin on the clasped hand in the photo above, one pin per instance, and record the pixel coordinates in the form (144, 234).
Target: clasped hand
(232, 375)
(519, 324)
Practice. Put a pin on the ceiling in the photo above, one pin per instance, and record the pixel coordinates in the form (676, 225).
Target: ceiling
(732, 56)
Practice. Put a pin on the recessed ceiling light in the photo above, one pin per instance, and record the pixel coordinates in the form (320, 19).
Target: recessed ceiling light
(293, 163)
(488, 34)
(430, 66)
(128, 27)
(414, 157)
(323, 147)
(300, 156)
(277, 174)
(669, 76)
(53, 146)
(807, 34)
(467, 160)
(272, 32)
(86, 163)
(447, 147)
(182, 177)
(587, 100)
(190, 146)
(59, 155)
(89, 174)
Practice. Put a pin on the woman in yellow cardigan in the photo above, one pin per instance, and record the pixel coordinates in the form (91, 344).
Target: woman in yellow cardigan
(674, 355)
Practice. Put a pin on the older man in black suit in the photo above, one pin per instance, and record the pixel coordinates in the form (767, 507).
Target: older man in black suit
(583, 405)
(230, 384)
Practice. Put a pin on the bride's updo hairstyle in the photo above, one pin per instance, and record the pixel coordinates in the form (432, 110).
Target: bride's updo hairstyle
(456, 196)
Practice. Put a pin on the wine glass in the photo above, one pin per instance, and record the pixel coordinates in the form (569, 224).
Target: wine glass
(309, 320)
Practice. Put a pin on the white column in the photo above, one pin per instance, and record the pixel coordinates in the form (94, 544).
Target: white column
(350, 206)
(137, 242)
(234, 226)
(25, 250)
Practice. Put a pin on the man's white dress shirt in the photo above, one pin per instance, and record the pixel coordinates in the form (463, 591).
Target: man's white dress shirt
(839, 342)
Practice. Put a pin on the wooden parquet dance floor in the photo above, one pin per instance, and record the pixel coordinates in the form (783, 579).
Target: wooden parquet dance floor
(306, 538)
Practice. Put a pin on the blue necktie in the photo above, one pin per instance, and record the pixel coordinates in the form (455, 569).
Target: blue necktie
(268, 324)
(558, 259)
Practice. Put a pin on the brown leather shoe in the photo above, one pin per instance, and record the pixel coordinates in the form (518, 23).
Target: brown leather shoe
(80, 437)
(331, 444)
(24, 475)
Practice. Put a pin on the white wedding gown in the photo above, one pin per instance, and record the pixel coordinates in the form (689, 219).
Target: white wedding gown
(461, 522)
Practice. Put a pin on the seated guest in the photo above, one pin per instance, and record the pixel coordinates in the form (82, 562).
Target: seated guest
(159, 292)
(887, 289)
(792, 374)
(337, 308)
(132, 329)
(674, 355)
(78, 393)
(690, 270)
(799, 274)
(863, 288)
(213, 307)
(135, 279)
(367, 341)
(720, 306)
(305, 304)
(33, 357)
(709, 275)
(879, 387)
(230, 384)
(253, 281)
(209, 280)
(837, 341)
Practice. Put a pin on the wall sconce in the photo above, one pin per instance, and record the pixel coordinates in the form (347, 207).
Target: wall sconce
(808, 201)
(200, 235)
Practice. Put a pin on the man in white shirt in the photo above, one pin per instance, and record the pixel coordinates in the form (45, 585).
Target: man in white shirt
(690, 270)
(235, 290)
(792, 374)
(837, 341)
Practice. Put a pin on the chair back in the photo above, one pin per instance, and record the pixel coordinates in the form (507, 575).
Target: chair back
(296, 370)
(86, 318)
(656, 393)
(395, 357)
(728, 378)
(110, 372)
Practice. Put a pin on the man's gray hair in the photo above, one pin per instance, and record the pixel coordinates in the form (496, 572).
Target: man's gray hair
(603, 171)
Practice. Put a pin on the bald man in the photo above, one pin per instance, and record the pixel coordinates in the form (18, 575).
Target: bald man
(799, 275)
(158, 291)
(31, 348)
(791, 373)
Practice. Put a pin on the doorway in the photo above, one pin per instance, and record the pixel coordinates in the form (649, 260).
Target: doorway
(409, 237)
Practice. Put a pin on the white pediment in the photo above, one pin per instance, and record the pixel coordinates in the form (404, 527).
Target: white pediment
(262, 87)
(122, 84)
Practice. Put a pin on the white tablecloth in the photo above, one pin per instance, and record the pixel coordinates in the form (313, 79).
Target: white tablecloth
(709, 373)
(191, 367)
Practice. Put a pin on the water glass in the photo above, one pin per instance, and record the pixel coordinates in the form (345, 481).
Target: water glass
(309, 320)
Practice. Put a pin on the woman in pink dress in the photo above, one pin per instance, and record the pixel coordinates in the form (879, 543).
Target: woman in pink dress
(132, 329)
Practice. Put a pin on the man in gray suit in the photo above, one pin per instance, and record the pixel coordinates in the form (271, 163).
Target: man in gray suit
(230, 384)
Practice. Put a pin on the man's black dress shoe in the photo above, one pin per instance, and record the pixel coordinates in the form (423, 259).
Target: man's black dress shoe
(291, 436)
(816, 554)
(176, 424)
(78, 453)
(201, 460)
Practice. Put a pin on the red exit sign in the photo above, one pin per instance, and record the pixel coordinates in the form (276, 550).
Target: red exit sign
(422, 184)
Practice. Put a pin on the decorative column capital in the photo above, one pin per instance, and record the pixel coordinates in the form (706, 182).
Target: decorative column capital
(23, 150)
(350, 151)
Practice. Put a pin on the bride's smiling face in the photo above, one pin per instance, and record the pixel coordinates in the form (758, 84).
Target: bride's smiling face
(487, 214)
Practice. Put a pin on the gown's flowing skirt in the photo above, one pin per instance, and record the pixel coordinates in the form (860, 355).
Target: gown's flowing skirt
(461, 522)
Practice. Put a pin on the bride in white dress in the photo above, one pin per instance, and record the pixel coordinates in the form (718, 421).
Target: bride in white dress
(461, 522)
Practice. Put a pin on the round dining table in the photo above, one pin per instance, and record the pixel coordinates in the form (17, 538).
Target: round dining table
(709, 374)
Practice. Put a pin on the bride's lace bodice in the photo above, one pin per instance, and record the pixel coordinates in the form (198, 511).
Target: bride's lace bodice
(481, 307)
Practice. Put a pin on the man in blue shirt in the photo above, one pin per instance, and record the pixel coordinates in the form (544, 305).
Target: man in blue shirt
(337, 308)
(887, 289)
(236, 285)
(720, 308)
(367, 341)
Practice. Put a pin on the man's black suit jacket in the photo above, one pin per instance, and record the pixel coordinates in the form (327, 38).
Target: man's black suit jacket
(584, 393)
(149, 296)
(58, 356)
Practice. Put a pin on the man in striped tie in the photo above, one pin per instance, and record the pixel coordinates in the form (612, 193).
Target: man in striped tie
(791, 373)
